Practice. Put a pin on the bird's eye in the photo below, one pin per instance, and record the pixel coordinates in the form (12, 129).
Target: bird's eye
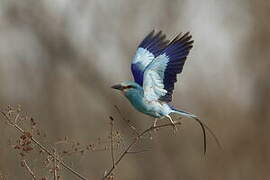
(128, 87)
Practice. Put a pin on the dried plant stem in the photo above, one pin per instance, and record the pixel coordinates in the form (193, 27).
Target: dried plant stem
(126, 121)
(134, 142)
(112, 152)
(24, 164)
(18, 128)
(55, 166)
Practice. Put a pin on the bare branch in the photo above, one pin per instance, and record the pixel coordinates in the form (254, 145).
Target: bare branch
(210, 131)
(19, 129)
(16, 118)
(134, 142)
(137, 152)
(55, 166)
(126, 121)
(112, 153)
(24, 164)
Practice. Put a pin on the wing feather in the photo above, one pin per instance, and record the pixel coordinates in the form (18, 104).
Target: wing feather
(151, 46)
(161, 73)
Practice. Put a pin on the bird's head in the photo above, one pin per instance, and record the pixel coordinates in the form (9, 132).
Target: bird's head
(128, 87)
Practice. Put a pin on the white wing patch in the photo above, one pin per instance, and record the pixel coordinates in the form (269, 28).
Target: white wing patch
(142, 58)
(153, 78)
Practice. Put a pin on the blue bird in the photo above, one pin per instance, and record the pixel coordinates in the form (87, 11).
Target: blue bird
(155, 66)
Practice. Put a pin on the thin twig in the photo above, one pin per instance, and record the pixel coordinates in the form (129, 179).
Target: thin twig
(18, 128)
(24, 164)
(136, 152)
(16, 118)
(54, 166)
(135, 140)
(126, 121)
(211, 132)
(112, 153)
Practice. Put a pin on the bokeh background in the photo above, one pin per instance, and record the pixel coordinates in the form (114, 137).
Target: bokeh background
(58, 59)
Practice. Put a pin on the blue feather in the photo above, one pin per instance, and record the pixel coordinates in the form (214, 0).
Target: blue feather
(177, 52)
(153, 44)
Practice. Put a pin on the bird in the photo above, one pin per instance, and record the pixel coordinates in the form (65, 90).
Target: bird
(155, 66)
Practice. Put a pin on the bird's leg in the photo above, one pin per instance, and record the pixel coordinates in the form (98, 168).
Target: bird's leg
(154, 125)
(174, 126)
(155, 122)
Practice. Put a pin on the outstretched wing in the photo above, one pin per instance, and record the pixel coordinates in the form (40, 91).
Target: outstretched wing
(148, 49)
(160, 74)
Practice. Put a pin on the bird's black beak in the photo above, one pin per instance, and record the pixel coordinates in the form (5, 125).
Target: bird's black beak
(118, 87)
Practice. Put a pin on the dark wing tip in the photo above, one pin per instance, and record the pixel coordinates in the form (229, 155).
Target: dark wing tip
(177, 50)
(154, 42)
(186, 38)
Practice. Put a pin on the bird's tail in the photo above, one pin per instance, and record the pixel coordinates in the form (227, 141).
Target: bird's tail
(183, 113)
(203, 125)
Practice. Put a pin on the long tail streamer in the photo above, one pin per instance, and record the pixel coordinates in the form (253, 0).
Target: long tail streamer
(203, 127)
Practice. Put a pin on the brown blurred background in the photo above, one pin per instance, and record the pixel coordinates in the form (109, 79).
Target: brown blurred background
(58, 59)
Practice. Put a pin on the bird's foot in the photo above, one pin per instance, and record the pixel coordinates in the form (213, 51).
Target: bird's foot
(175, 129)
(173, 124)
(155, 125)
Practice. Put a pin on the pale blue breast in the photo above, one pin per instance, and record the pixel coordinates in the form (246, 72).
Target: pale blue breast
(154, 108)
